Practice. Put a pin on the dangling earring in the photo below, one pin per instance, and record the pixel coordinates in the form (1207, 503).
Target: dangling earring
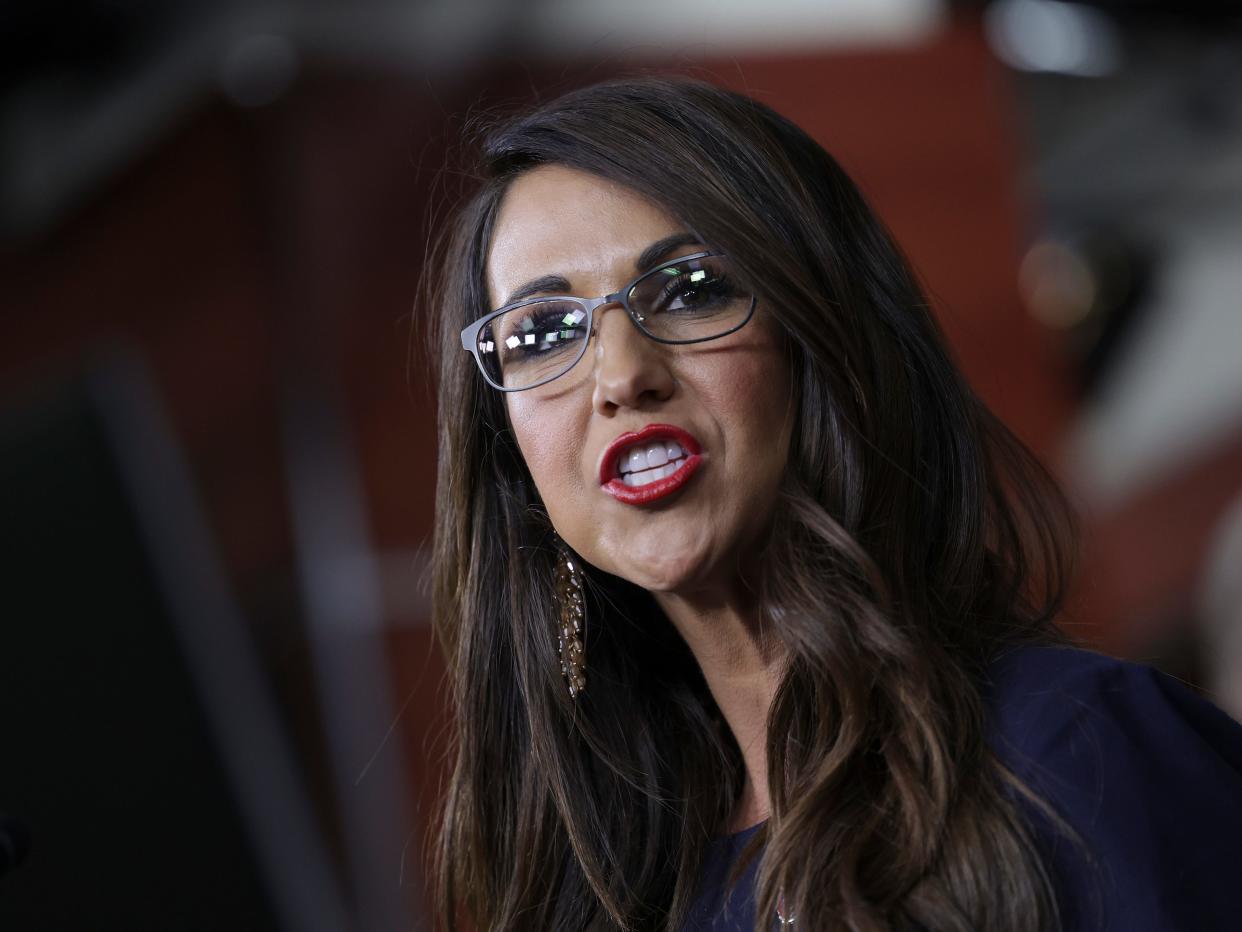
(573, 619)
(780, 912)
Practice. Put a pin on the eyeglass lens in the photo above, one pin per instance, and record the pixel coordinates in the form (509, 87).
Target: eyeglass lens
(683, 302)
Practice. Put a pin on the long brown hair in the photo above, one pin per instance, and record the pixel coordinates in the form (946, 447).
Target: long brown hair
(915, 538)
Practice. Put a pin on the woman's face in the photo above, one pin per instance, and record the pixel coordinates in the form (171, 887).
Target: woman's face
(693, 531)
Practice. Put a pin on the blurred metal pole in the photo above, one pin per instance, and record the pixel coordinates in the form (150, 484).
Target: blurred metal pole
(340, 585)
(336, 565)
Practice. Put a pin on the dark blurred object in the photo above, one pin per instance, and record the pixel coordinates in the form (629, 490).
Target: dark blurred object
(88, 88)
(14, 843)
(1186, 11)
(1189, 12)
(84, 41)
(1093, 287)
(84, 87)
(138, 735)
(1134, 113)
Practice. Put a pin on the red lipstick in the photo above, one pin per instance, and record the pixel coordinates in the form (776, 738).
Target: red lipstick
(610, 476)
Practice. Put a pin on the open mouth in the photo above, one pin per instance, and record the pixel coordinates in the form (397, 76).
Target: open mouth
(645, 463)
(649, 464)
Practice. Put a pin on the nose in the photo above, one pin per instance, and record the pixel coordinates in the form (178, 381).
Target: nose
(631, 371)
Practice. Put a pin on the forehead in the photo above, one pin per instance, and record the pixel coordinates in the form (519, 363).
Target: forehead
(555, 220)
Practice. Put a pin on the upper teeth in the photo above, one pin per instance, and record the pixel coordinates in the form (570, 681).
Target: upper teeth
(648, 462)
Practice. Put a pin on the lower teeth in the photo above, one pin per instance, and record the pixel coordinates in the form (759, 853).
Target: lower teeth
(648, 476)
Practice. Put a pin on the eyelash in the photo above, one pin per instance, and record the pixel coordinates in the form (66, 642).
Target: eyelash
(719, 287)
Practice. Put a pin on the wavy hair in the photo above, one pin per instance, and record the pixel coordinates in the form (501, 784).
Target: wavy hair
(915, 538)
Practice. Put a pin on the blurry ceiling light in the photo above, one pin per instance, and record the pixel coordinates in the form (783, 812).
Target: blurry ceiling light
(1048, 35)
(1057, 285)
(258, 69)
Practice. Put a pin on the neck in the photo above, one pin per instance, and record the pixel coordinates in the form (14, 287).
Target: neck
(742, 665)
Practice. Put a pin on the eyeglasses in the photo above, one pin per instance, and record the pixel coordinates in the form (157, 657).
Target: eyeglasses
(531, 342)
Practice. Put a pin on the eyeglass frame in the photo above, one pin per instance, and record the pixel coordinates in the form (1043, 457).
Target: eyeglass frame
(470, 334)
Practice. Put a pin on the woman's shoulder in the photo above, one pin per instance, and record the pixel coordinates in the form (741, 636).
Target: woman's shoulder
(1144, 770)
(1095, 729)
(1048, 699)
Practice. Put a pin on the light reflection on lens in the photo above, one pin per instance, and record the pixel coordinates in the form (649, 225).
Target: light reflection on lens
(685, 301)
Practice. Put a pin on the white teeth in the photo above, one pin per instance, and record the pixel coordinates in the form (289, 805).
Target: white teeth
(654, 474)
(651, 456)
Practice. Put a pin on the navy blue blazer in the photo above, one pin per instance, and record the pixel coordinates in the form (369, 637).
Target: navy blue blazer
(1147, 772)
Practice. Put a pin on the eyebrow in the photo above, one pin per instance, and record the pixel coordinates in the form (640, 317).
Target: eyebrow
(558, 284)
(661, 248)
(552, 283)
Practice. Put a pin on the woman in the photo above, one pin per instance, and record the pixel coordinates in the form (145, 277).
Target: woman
(747, 600)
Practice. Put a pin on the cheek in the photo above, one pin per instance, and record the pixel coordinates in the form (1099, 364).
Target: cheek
(550, 442)
(763, 423)
(752, 399)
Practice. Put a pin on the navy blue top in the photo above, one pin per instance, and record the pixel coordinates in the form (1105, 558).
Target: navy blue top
(1147, 772)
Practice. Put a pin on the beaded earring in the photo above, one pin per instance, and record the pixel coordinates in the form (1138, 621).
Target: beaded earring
(781, 917)
(572, 621)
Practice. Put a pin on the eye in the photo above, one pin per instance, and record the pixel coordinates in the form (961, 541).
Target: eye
(694, 290)
(537, 330)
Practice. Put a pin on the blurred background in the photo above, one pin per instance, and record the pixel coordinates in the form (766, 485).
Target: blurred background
(219, 699)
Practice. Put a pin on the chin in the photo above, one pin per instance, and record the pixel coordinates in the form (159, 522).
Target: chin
(664, 568)
(658, 579)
